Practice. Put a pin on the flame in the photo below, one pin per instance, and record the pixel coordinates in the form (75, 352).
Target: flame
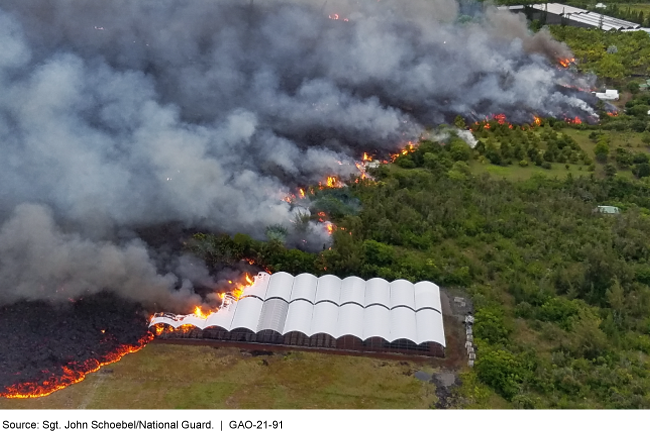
(231, 296)
(73, 372)
(302, 193)
(537, 121)
(366, 157)
(330, 227)
(612, 114)
(500, 118)
(408, 149)
(575, 121)
(567, 62)
(336, 17)
(198, 311)
(330, 182)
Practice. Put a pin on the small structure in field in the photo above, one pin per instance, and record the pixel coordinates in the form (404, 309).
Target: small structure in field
(607, 209)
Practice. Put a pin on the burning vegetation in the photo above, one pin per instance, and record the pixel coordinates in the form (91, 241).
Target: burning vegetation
(567, 62)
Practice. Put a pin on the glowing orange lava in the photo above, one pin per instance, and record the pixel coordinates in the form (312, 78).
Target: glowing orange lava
(73, 372)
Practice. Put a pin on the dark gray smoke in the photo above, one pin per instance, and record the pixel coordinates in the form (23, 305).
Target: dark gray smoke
(129, 113)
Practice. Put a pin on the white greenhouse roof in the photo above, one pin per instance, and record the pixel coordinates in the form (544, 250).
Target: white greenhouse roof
(587, 17)
(328, 304)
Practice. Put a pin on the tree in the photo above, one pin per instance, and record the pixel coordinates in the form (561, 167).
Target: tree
(601, 150)
(610, 170)
(642, 170)
(633, 88)
(610, 66)
(500, 370)
(459, 122)
(645, 138)
(459, 150)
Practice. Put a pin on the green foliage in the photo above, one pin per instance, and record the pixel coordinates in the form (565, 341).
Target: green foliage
(490, 325)
(601, 150)
(559, 310)
(459, 150)
(610, 170)
(632, 54)
(459, 122)
(562, 294)
(501, 370)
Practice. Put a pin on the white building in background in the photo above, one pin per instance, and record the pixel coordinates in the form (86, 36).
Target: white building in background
(558, 13)
(608, 95)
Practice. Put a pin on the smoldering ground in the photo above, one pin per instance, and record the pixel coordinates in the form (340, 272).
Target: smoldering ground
(126, 114)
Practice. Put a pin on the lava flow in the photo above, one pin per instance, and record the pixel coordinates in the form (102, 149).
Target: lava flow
(57, 345)
(73, 373)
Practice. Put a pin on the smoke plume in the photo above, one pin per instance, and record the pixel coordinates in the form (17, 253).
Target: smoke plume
(131, 113)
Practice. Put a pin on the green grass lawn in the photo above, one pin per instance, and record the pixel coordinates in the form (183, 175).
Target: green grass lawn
(196, 377)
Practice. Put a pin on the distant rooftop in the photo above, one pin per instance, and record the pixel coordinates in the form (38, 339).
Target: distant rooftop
(586, 17)
(582, 16)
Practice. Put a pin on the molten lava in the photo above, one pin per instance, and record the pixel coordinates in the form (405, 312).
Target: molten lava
(74, 372)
